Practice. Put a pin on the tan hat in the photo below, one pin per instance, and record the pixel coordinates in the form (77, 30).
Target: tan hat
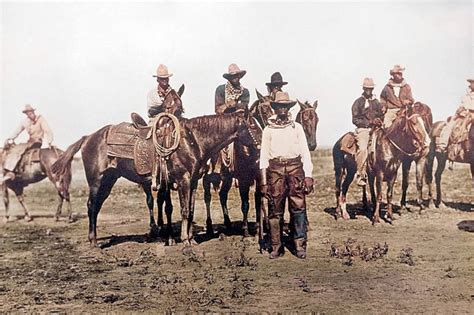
(282, 98)
(233, 71)
(470, 80)
(162, 72)
(368, 83)
(397, 69)
(28, 108)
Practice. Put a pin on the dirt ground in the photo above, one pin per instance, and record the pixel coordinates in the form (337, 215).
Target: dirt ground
(421, 264)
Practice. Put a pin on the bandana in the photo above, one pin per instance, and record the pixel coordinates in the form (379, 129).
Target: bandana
(367, 100)
(232, 94)
(274, 122)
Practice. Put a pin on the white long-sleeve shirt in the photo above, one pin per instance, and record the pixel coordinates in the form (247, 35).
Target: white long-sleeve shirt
(287, 142)
(37, 130)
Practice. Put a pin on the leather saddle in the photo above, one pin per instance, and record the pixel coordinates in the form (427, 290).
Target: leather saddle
(348, 143)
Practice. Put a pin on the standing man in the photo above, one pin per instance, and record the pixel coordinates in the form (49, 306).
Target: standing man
(464, 113)
(395, 95)
(231, 96)
(156, 96)
(366, 112)
(286, 171)
(37, 129)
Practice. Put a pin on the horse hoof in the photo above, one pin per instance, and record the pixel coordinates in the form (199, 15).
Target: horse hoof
(431, 204)
(345, 215)
(246, 233)
(56, 218)
(6, 220)
(442, 205)
(28, 218)
(70, 219)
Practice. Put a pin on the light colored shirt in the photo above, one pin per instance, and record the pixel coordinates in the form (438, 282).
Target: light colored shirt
(153, 99)
(467, 101)
(288, 142)
(37, 130)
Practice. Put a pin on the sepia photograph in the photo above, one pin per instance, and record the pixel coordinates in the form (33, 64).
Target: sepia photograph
(194, 156)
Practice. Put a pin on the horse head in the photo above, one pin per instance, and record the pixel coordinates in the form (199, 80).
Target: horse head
(309, 119)
(173, 103)
(261, 109)
(408, 131)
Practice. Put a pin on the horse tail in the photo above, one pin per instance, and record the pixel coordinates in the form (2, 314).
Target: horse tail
(63, 165)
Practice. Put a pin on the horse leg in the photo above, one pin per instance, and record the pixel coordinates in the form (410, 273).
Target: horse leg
(338, 174)
(378, 189)
(406, 164)
(169, 213)
(6, 201)
(97, 195)
(420, 171)
(21, 199)
(149, 202)
(206, 183)
(345, 187)
(184, 191)
(371, 179)
(160, 200)
(223, 195)
(390, 184)
(441, 157)
(364, 198)
(59, 208)
(192, 201)
(429, 177)
(244, 189)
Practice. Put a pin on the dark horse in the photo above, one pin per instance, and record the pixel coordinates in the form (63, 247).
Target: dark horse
(345, 165)
(467, 146)
(201, 138)
(34, 172)
(246, 168)
(404, 138)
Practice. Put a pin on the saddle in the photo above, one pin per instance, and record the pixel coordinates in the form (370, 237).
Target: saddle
(135, 141)
(28, 158)
(348, 143)
(459, 134)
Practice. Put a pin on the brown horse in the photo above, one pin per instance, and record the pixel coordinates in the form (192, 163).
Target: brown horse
(201, 138)
(34, 172)
(246, 169)
(404, 138)
(345, 166)
(467, 146)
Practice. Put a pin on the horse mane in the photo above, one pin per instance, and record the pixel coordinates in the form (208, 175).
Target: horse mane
(209, 122)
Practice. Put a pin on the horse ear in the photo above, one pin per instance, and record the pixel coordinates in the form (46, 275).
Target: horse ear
(303, 106)
(315, 104)
(259, 95)
(181, 90)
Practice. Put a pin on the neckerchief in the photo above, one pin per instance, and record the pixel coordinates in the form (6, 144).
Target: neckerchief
(367, 100)
(274, 122)
(232, 94)
(162, 93)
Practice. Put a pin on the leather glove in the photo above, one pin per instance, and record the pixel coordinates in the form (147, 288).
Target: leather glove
(308, 185)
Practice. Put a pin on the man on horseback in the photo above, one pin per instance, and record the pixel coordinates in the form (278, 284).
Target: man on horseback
(275, 85)
(156, 97)
(37, 129)
(395, 95)
(286, 172)
(463, 117)
(366, 112)
(229, 97)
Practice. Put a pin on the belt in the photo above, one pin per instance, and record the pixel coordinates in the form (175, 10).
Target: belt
(282, 160)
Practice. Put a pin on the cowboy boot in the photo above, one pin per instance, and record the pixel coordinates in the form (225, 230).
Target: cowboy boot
(299, 237)
(275, 230)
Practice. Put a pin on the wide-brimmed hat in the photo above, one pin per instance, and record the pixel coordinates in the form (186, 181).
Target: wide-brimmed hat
(28, 108)
(282, 99)
(397, 69)
(276, 79)
(162, 72)
(368, 83)
(470, 80)
(234, 71)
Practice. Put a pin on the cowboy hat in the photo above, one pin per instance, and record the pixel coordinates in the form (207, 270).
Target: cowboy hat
(282, 99)
(368, 83)
(276, 79)
(470, 80)
(28, 108)
(397, 69)
(162, 72)
(234, 71)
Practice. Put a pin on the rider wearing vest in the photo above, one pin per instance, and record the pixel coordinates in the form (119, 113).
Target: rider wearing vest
(231, 96)
(37, 129)
(156, 96)
(395, 95)
(366, 112)
(286, 172)
(464, 114)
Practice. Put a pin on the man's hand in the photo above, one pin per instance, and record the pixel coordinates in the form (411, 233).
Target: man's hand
(264, 191)
(377, 122)
(8, 143)
(308, 185)
(406, 102)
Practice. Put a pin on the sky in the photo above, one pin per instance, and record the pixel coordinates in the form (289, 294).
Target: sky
(84, 65)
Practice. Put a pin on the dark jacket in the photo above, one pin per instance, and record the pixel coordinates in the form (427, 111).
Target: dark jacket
(221, 107)
(390, 100)
(362, 117)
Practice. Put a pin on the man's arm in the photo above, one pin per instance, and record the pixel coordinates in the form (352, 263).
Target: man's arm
(48, 133)
(18, 131)
(219, 100)
(408, 96)
(357, 115)
(305, 154)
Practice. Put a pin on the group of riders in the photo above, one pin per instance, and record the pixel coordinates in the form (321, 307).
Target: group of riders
(285, 161)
